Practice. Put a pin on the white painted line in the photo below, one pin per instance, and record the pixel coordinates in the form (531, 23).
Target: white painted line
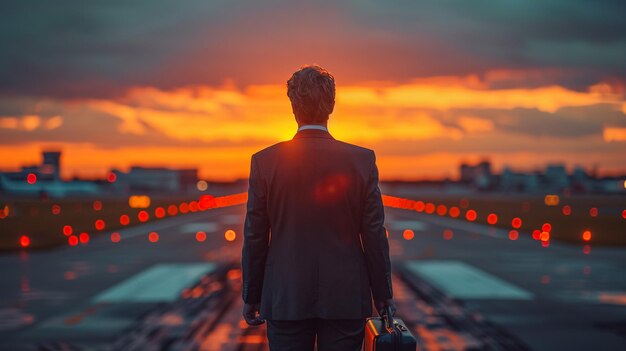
(208, 227)
(463, 281)
(159, 283)
(410, 224)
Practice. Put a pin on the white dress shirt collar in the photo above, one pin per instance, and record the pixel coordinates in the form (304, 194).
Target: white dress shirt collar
(312, 126)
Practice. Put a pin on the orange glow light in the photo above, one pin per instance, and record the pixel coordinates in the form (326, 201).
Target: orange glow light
(124, 219)
(516, 222)
(201, 236)
(24, 241)
(408, 234)
(153, 237)
(492, 218)
(471, 215)
(448, 234)
(587, 235)
(99, 224)
(454, 212)
(513, 235)
(230, 235)
(67, 230)
(116, 237)
(72, 240)
(545, 236)
(593, 212)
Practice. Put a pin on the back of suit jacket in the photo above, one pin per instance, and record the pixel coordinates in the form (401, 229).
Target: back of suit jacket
(315, 244)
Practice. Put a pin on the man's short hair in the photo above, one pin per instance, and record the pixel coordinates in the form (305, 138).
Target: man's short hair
(311, 90)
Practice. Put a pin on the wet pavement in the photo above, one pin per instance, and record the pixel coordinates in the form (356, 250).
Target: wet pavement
(458, 286)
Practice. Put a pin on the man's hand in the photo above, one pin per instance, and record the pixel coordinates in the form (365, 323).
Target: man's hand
(382, 304)
(251, 314)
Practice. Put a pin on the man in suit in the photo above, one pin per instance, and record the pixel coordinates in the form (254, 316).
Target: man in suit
(315, 247)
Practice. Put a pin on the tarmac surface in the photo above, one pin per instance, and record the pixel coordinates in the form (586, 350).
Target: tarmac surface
(458, 286)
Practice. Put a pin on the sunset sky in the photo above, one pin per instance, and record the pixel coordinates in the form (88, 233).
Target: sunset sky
(426, 84)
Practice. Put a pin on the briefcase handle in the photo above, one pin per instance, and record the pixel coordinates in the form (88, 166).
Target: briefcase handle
(388, 320)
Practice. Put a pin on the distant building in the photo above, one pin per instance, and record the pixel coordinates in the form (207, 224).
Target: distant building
(146, 179)
(478, 175)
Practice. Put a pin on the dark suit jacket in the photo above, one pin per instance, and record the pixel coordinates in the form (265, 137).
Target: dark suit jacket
(314, 240)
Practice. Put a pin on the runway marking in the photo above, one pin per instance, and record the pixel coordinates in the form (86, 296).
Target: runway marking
(460, 280)
(159, 283)
(199, 226)
(408, 224)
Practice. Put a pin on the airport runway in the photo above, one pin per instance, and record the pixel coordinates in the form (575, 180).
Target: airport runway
(458, 286)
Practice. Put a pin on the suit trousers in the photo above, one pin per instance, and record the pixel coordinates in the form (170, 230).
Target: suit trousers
(331, 334)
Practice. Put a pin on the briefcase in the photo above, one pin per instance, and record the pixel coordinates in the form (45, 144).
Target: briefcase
(388, 334)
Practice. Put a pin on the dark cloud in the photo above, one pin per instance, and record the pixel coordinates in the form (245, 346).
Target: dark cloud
(96, 49)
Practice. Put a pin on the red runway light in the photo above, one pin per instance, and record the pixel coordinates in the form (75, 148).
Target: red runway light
(153, 237)
(492, 218)
(419, 206)
(24, 241)
(99, 224)
(546, 227)
(193, 206)
(31, 178)
(56, 209)
(124, 219)
(97, 205)
(587, 249)
(184, 207)
(448, 234)
(83, 238)
(430, 208)
(536, 234)
(201, 236)
(143, 216)
(408, 234)
(516, 222)
(593, 212)
(513, 235)
(441, 210)
(587, 235)
(471, 215)
(172, 210)
(116, 237)
(624, 214)
(454, 212)
(567, 210)
(545, 243)
(111, 177)
(67, 230)
(72, 240)
(159, 212)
